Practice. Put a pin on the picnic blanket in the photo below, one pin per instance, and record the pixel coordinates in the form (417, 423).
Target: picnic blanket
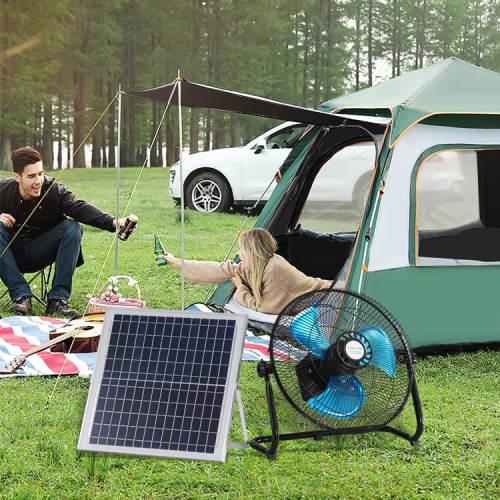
(19, 334)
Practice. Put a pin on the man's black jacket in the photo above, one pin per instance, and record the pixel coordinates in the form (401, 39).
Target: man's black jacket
(56, 203)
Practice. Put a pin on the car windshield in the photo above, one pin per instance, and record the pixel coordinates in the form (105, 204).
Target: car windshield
(286, 138)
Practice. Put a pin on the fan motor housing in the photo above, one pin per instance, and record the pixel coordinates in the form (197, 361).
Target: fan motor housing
(352, 351)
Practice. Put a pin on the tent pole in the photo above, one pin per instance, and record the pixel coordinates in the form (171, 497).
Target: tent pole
(118, 172)
(181, 172)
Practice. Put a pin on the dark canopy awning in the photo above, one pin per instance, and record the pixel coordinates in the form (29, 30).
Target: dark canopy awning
(195, 95)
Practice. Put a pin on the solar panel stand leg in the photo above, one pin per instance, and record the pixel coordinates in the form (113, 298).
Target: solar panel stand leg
(243, 445)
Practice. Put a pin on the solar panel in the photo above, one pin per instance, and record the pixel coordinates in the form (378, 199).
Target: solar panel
(164, 384)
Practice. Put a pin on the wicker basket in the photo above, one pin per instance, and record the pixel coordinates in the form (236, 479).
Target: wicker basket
(96, 304)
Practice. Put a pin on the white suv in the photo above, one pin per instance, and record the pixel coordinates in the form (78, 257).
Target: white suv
(218, 179)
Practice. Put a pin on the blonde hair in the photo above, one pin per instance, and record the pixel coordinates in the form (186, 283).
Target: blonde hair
(259, 246)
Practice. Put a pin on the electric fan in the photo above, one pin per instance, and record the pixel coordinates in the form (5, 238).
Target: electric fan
(343, 362)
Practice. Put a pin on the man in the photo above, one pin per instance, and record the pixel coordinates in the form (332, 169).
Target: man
(35, 232)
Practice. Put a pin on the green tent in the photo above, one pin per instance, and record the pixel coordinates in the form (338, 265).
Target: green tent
(425, 242)
(450, 92)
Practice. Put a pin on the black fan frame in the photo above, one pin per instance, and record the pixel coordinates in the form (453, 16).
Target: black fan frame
(266, 368)
(408, 362)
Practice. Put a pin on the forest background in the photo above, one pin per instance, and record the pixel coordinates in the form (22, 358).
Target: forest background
(62, 62)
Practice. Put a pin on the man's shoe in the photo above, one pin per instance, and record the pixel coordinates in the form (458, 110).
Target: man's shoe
(22, 305)
(60, 308)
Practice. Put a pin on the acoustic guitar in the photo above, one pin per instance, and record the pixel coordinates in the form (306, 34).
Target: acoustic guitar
(80, 335)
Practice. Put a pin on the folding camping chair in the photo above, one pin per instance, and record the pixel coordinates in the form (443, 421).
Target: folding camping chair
(44, 275)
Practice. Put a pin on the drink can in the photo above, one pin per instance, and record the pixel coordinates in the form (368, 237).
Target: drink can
(129, 226)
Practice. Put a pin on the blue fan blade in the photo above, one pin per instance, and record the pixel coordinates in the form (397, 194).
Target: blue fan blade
(305, 329)
(383, 353)
(343, 398)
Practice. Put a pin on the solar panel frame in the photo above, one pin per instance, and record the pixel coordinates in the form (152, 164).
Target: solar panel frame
(164, 384)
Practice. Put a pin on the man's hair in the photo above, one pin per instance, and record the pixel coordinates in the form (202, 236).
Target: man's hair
(22, 157)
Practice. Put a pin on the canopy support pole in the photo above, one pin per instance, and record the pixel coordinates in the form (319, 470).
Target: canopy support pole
(181, 172)
(118, 173)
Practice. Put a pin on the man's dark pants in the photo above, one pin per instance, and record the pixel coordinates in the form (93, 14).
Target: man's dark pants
(60, 245)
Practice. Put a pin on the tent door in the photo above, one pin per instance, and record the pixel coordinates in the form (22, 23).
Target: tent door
(318, 218)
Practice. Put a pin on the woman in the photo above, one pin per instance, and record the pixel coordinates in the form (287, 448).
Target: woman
(264, 280)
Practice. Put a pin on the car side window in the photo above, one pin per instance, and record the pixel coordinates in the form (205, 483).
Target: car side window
(286, 138)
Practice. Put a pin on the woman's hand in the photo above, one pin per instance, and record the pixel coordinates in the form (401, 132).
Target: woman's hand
(173, 261)
(236, 279)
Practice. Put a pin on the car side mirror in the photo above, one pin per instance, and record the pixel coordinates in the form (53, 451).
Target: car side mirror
(260, 146)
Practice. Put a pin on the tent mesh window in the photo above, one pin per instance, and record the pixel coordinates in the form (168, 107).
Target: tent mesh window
(331, 214)
(458, 194)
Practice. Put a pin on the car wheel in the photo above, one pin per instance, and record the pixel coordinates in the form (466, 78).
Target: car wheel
(208, 192)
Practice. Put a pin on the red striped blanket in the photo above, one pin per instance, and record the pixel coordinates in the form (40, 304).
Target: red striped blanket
(19, 334)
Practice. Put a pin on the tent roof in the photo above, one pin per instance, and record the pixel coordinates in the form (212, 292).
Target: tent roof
(195, 95)
(451, 87)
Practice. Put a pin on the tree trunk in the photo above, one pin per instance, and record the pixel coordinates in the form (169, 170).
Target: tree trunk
(194, 131)
(171, 146)
(319, 45)
(60, 113)
(423, 28)
(306, 60)
(235, 130)
(370, 43)
(35, 141)
(5, 150)
(159, 144)
(47, 146)
(96, 152)
(111, 130)
(357, 46)
(208, 130)
(220, 131)
(124, 134)
(219, 121)
(194, 126)
(131, 160)
(153, 158)
(79, 117)
(104, 156)
(328, 85)
(234, 118)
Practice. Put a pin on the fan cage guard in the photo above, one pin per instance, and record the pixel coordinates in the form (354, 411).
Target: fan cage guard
(341, 316)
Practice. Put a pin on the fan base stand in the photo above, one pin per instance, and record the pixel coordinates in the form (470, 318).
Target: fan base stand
(258, 443)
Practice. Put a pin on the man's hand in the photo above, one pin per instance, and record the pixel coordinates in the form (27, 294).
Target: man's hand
(121, 222)
(7, 220)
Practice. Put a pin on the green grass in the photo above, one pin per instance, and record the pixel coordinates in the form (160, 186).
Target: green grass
(458, 453)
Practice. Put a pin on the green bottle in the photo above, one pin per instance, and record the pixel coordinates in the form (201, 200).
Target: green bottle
(159, 250)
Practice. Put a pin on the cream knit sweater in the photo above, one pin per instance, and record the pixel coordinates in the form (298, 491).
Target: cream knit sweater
(281, 282)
